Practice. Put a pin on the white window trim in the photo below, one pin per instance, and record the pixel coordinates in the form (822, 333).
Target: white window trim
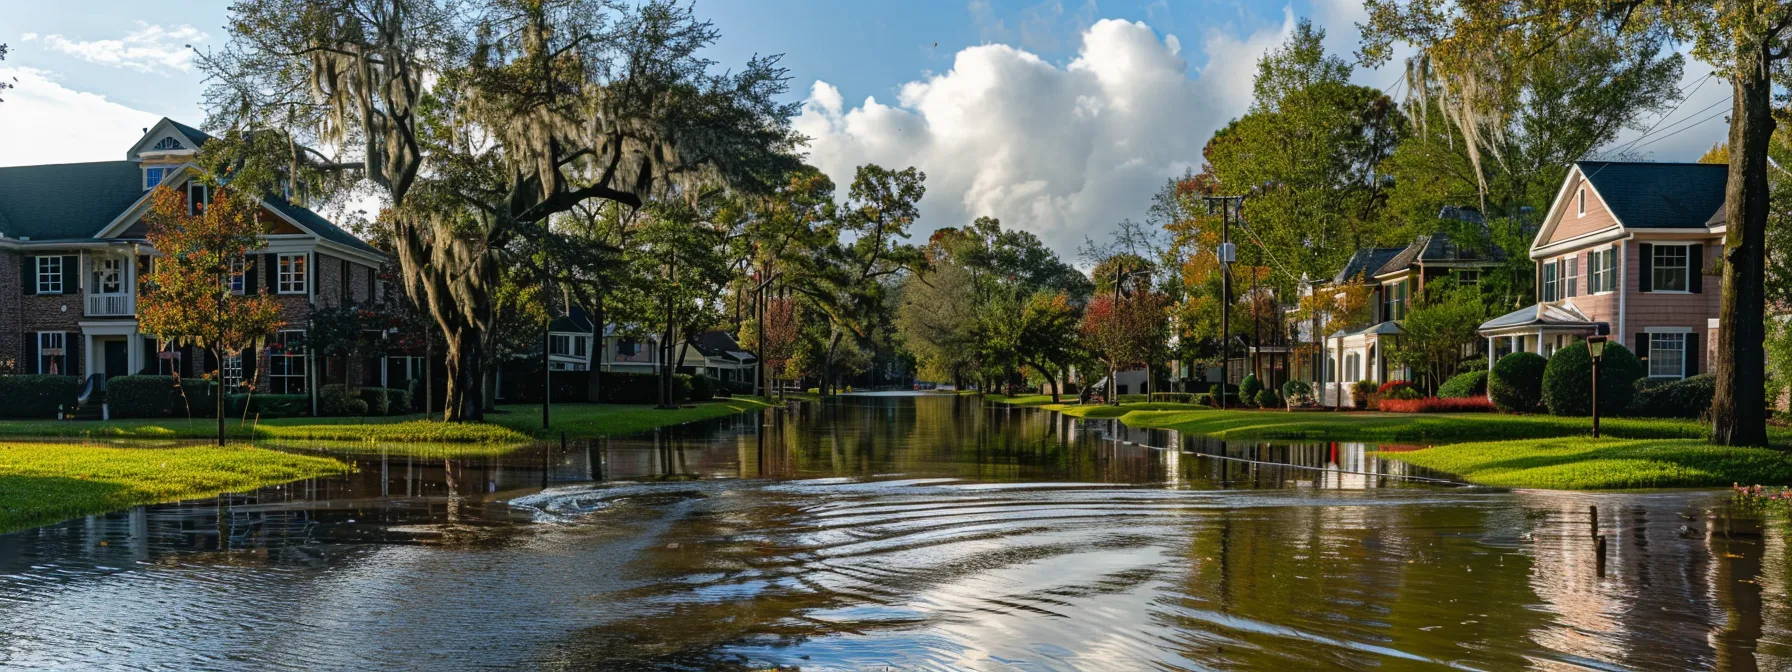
(62, 339)
(161, 176)
(1582, 202)
(287, 358)
(57, 277)
(301, 278)
(1616, 276)
(1687, 269)
(1650, 351)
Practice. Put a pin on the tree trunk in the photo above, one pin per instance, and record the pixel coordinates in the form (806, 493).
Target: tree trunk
(220, 396)
(1738, 410)
(1057, 385)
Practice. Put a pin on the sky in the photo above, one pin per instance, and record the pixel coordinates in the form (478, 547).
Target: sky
(1057, 117)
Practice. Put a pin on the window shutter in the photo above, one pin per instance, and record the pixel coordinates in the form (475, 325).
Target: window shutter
(251, 274)
(1640, 347)
(249, 365)
(1690, 362)
(310, 274)
(151, 365)
(31, 350)
(271, 269)
(71, 274)
(1645, 281)
(28, 276)
(71, 352)
(1695, 268)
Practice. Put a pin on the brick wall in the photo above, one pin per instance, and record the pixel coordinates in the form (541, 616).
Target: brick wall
(11, 312)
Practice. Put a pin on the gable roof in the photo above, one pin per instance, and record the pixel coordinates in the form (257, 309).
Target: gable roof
(66, 200)
(1436, 246)
(198, 137)
(1365, 262)
(719, 344)
(1658, 195)
(575, 321)
(324, 228)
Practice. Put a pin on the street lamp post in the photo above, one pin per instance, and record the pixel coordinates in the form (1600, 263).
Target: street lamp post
(1596, 348)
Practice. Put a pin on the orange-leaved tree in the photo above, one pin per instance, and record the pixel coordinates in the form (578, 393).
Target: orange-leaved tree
(189, 298)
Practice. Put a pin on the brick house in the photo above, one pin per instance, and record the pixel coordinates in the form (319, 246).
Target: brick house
(1394, 276)
(72, 247)
(1628, 250)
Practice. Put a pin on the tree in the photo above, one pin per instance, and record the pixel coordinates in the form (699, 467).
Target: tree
(187, 298)
(1438, 330)
(1468, 44)
(480, 122)
(781, 234)
(683, 254)
(1048, 336)
(4, 85)
(1122, 332)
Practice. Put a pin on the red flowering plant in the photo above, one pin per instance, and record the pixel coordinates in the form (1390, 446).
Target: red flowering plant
(1438, 405)
(1759, 497)
(1398, 389)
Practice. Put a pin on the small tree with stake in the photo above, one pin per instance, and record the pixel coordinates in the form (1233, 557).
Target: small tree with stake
(187, 299)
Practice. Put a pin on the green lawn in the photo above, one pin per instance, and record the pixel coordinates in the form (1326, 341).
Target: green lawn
(1584, 463)
(41, 483)
(517, 424)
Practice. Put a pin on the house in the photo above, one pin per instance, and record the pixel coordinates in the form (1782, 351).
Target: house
(73, 246)
(1628, 250)
(1394, 276)
(712, 353)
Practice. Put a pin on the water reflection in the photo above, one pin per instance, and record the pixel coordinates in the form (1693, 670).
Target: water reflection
(933, 533)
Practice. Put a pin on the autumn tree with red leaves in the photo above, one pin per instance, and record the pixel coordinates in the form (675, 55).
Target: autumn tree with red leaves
(1122, 332)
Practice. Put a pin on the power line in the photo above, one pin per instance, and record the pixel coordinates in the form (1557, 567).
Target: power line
(1684, 96)
(1633, 143)
(1683, 130)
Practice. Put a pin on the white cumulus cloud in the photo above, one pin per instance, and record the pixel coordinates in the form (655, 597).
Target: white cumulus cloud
(150, 48)
(1062, 151)
(50, 123)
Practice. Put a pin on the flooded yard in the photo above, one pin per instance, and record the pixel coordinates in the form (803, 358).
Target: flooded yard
(931, 532)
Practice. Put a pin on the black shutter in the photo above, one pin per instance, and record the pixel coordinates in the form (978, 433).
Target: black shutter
(1690, 363)
(271, 269)
(249, 365)
(1640, 348)
(1645, 282)
(71, 353)
(1695, 268)
(251, 274)
(28, 274)
(71, 274)
(151, 365)
(31, 350)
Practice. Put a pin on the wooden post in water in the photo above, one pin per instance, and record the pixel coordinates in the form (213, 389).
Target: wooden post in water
(1593, 515)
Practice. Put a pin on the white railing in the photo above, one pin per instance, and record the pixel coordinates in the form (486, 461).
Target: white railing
(106, 305)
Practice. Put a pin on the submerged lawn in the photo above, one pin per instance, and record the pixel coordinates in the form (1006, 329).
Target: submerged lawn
(1584, 463)
(584, 421)
(41, 483)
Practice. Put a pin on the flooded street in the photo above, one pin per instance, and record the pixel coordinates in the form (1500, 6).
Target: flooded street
(904, 533)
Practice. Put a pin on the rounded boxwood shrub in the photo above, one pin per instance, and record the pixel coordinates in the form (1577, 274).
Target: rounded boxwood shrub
(1516, 383)
(376, 400)
(140, 396)
(334, 401)
(1267, 398)
(398, 401)
(1568, 380)
(1399, 389)
(1297, 393)
(1471, 384)
(1660, 398)
(703, 388)
(1249, 388)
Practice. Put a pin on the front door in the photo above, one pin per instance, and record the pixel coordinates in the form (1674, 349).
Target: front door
(117, 360)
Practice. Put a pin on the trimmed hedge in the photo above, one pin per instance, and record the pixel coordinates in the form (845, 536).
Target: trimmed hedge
(398, 401)
(1516, 383)
(1267, 398)
(1568, 380)
(37, 395)
(377, 400)
(1659, 398)
(335, 401)
(1471, 384)
(271, 405)
(1249, 388)
(1438, 405)
(703, 388)
(157, 397)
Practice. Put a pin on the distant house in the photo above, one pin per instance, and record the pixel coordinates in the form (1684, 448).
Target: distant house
(712, 353)
(1395, 275)
(1624, 251)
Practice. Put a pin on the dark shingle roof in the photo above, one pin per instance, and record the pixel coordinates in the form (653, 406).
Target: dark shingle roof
(1659, 195)
(198, 137)
(1440, 246)
(322, 227)
(66, 200)
(718, 344)
(576, 321)
(1364, 263)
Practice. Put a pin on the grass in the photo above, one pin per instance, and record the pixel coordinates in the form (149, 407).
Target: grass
(1429, 428)
(41, 483)
(582, 421)
(1583, 463)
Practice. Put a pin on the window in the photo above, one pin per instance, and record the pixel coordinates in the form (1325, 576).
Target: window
(579, 345)
(235, 280)
(51, 359)
(233, 372)
(286, 362)
(1570, 284)
(49, 275)
(292, 274)
(559, 344)
(1550, 286)
(1394, 307)
(152, 177)
(197, 198)
(1670, 268)
(108, 275)
(1467, 277)
(1582, 200)
(166, 144)
(1667, 355)
(1602, 270)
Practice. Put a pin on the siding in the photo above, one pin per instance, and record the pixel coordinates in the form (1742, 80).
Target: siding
(1570, 224)
(1693, 311)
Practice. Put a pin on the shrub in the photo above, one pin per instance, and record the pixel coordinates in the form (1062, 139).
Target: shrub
(270, 405)
(1362, 392)
(37, 396)
(335, 401)
(1657, 398)
(1568, 380)
(1249, 388)
(1206, 399)
(1267, 398)
(1398, 389)
(1471, 384)
(398, 401)
(1438, 405)
(1516, 382)
(1297, 393)
(377, 401)
(157, 397)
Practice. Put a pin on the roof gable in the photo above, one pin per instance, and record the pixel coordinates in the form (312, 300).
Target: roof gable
(1658, 195)
(168, 136)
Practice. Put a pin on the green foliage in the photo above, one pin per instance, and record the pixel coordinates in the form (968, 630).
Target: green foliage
(398, 401)
(1250, 388)
(1516, 383)
(264, 406)
(37, 396)
(336, 401)
(703, 388)
(1403, 393)
(1437, 329)
(1267, 398)
(1568, 380)
(1658, 398)
(1363, 393)
(1581, 463)
(1471, 384)
(378, 403)
(1297, 393)
(157, 397)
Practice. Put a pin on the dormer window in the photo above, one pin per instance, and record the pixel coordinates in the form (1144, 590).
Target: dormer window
(167, 144)
(153, 177)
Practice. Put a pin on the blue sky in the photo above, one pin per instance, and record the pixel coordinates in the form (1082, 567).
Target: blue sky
(1058, 117)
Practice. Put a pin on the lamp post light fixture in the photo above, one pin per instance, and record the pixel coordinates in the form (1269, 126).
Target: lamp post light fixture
(1596, 349)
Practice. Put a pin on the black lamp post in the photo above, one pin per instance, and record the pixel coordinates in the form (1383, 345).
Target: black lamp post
(1596, 348)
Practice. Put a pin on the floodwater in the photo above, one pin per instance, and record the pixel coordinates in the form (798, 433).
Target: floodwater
(902, 533)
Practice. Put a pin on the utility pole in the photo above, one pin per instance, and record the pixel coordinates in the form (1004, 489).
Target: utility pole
(1227, 254)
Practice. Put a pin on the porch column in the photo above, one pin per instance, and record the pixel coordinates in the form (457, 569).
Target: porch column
(133, 353)
(87, 358)
(1491, 351)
